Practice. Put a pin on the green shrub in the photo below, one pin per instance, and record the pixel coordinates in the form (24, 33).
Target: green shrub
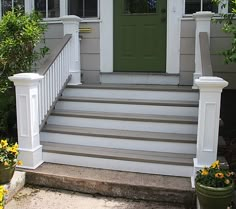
(19, 34)
(229, 26)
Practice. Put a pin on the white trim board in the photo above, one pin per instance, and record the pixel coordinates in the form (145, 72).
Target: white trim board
(174, 15)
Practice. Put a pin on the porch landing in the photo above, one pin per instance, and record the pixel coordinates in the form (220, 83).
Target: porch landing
(165, 189)
(139, 78)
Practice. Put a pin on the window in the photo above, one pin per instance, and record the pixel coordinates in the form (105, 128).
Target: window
(140, 6)
(7, 5)
(83, 8)
(192, 6)
(48, 8)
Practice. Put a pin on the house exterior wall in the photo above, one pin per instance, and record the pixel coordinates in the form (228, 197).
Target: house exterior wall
(90, 48)
(219, 41)
(90, 53)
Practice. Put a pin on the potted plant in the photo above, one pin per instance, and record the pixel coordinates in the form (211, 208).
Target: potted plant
(214, 187)
(8, 160)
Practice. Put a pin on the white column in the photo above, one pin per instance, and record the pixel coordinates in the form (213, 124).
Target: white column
(26, 85)
(174, 15)
(106, 36)
(63, 8)
(223, 7)
(71, 26)
(203, 24)
(29, 6)
(208, 120)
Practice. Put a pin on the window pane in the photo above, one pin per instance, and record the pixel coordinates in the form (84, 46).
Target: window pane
(209, 6)
(19, 3)
(40, 5)
(53, 8)
(192, 6)
(6, 6)
(140, 6)
(91, 8)
(75, 7)
(83, 8)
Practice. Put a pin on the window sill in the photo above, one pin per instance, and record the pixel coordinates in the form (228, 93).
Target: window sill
(58, 20)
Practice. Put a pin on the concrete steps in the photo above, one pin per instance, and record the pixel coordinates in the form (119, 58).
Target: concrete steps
(137, 128)
(163, 189)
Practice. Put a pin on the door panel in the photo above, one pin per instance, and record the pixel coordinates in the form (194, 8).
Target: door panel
(139, 35)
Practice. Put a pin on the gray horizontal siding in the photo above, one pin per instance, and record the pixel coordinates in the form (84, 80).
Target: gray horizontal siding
(219, 42)
(90, 53)
(90, 48)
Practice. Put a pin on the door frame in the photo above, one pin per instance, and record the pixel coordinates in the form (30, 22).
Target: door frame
(174, 15)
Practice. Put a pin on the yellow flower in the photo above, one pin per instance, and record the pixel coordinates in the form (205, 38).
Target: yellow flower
(4, 143)
(227, 181)
(6, 163)
(1, 197)
(219, 175)
(13, 150)
(204, 172)
(216, 164)
(19, 162)
(16, 146)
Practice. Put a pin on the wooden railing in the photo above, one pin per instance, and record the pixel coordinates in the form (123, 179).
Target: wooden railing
(56, 75)
(205, 54)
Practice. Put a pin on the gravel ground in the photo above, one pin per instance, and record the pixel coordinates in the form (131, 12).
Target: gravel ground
(44, 198)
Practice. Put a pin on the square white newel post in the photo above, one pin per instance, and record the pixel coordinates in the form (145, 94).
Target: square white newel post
(26, 85)
(71, 26)
(208, 120)
(203, 24)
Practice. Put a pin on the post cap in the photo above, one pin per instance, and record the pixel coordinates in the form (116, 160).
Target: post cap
(70, 19)
(204, 15)
(26, 78)
(211, 82)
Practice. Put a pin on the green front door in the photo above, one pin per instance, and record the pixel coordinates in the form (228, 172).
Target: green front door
(139, 35)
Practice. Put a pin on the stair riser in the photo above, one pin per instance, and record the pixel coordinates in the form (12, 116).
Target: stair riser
(124, 124)
(132, 94)
(139, 79)
(127, 108)
(159, 146)
(163, 169)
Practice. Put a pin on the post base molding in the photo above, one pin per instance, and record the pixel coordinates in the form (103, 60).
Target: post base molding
(196, 167)
(32, 158)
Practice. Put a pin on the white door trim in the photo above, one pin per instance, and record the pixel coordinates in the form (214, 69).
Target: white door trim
(174, 14)
(106, 36)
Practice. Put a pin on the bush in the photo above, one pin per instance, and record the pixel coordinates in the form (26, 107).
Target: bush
(229, 26)
(19, 34)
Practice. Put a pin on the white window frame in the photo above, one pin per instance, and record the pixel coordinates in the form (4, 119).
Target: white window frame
(29, 7)
(221, 10)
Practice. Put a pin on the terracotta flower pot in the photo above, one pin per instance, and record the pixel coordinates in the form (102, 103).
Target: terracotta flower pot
(214, 198)
(6, 173)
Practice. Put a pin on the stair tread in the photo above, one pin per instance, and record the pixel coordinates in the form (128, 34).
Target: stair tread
(112, 133)
(130, 101)
(135, 87)
(125, 116)
(119, 154)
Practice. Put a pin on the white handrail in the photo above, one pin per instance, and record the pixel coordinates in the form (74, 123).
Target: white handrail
(56, 76)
